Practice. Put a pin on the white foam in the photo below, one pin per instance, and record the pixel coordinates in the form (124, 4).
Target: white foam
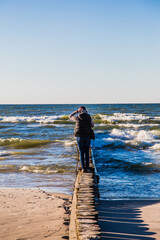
(156, 146)
(107, 142)
(124, 117)
(24, 168)
(117, 133)
(157, 118)
(69, 143)
(37, 169)
(114, 142)
(39, 119)
(145, 136)
(156, 132)
(131, 125)
(2, 140)
(130, 138)
(5, 153)
(66, 142)
(141, 135)
(136, 126)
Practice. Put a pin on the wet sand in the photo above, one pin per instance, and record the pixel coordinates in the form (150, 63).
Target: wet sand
(129, 219)
(33, 214)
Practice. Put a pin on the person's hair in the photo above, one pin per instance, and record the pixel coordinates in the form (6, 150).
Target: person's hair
(83, 107)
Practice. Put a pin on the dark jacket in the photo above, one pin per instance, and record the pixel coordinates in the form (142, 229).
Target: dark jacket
(83, 125)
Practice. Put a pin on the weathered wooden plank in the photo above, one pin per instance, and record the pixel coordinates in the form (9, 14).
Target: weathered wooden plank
(86, 224)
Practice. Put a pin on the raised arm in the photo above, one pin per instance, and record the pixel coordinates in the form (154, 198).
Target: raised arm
(72, 115)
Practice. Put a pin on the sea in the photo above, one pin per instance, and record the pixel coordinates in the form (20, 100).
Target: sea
(38, 149)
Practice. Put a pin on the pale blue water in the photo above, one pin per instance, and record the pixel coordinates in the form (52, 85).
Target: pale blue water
(38, 150)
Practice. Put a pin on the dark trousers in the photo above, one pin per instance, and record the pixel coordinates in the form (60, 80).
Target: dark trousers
(83, 145)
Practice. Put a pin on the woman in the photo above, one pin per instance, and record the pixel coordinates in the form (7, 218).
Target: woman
(83, 127)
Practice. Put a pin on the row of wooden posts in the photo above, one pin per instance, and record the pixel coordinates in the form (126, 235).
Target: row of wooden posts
(84, 217)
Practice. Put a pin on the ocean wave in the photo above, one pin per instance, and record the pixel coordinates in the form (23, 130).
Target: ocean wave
(62, 119)
(69, 143)
(132, 120)
(141, 135)
(108, 143)
(130, 139)
(41, 169)
(135, 126)
(150, 126)
(124, 117)
(15, 153)
(151, 121)
(126, 120)
(144, 167)
(5, 153)
(66, 142)
(23, 143)
(124, 144)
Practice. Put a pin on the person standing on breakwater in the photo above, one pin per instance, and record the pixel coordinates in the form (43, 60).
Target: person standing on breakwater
(82, 132)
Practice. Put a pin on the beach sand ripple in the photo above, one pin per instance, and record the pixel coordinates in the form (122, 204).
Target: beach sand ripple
(33, 214)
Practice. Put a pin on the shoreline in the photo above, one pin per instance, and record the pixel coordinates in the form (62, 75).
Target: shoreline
(33, 214)
(36, 214)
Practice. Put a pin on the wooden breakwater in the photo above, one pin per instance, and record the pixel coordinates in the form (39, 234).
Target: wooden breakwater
(84, 217)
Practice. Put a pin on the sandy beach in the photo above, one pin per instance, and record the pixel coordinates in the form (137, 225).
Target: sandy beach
(151, 216)
(33, 214)
(129, 219)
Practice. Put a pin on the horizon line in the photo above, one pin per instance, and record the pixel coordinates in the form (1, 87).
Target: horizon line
(77, 103)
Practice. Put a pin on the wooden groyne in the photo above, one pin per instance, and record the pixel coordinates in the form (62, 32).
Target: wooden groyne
(84, 217)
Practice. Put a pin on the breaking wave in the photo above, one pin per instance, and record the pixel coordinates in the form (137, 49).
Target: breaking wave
(23, 143)
(48, 169)
(124, 118)
(108, 121)
(130, 139)
(60, 119)
(5, 153)
(66, 142)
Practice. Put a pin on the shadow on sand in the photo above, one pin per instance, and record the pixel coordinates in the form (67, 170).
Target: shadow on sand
(121, 220)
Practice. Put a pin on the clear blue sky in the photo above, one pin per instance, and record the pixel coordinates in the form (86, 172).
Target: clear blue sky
(79, 51)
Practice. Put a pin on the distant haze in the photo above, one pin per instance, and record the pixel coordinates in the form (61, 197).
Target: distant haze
(88, 51)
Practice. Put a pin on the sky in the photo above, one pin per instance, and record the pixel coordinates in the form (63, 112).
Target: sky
(79, 51)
